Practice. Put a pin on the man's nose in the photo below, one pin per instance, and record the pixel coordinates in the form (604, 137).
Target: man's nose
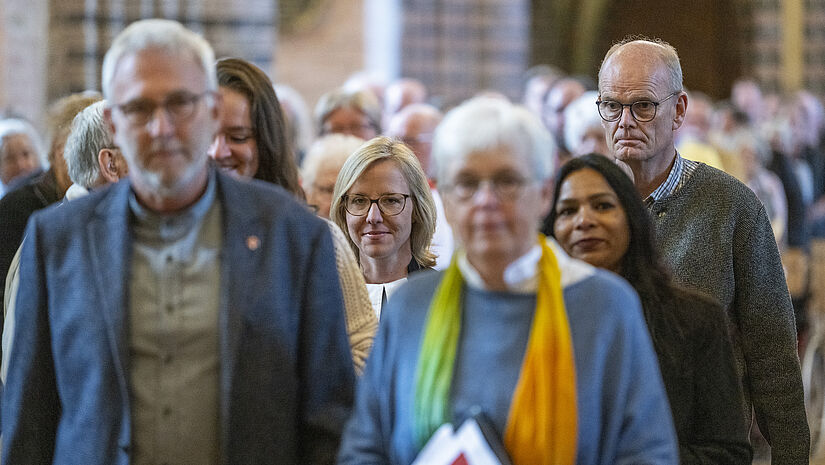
(161, 123)
(627, 118)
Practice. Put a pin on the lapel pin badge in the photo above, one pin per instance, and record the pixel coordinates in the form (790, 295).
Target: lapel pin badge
(252, 243)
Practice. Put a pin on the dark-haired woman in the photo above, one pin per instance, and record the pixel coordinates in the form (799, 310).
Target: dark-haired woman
(251, 143)
(598, 217)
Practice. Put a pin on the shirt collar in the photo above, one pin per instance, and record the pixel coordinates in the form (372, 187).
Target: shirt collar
(670, 184)
(169, 228)
(521, 276)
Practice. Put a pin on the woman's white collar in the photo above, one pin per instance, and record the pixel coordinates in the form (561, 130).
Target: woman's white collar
(521, 275)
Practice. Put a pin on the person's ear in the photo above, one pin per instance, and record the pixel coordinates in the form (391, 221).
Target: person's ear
(681, 110)
(111, 164)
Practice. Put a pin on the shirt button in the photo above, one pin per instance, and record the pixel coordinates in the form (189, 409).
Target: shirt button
(167, 359)
(169, 258)
(170, 308)
(166, 411)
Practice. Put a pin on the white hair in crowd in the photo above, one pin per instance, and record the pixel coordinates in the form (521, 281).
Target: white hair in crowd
(484, 123)
(580, 116)
(87, 137)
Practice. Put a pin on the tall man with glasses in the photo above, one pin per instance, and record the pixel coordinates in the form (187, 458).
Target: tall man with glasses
(712, 231)
(180, 316)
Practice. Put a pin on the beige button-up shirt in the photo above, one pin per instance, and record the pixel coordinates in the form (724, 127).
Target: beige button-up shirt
(174, 363)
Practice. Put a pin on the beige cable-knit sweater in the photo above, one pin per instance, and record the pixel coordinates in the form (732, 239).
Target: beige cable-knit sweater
(361, 320)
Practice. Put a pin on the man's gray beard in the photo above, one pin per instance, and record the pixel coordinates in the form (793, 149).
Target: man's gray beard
(154, 181)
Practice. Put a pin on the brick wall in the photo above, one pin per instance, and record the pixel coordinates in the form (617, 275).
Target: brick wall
(460, 47)
(84, 29)
(763, 40)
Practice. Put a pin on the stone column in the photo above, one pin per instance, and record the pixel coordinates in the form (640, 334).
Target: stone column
(461, 47)
(23, 57)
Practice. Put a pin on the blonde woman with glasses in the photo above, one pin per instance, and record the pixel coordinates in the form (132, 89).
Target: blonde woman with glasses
(383, 203)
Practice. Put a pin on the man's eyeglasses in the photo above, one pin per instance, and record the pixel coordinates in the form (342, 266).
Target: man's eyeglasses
(505, 186)
(388, 204)
(178, 106)
(641, 110)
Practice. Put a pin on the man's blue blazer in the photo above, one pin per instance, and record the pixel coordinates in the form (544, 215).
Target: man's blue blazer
(286, 375)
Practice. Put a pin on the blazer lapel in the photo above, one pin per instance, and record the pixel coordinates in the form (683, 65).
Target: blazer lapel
(110, 240)
(240, 256)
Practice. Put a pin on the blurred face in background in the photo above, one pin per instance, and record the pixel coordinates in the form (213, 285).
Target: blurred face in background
(18, 157)
(348, 120)
(319, 193)
(560, 95)
(416, 132)
(235, 149)
(593, 142)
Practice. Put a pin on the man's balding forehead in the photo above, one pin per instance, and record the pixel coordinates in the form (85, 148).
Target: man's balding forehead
(644, 48)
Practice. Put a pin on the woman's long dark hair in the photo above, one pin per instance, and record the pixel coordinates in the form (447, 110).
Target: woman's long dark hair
(275, 161)
(641, 265)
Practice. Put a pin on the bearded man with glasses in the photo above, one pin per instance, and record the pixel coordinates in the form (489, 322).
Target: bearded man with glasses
(712, 231)
(180, 316)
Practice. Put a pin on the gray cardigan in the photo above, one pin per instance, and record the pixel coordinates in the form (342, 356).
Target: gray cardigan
(716, 238)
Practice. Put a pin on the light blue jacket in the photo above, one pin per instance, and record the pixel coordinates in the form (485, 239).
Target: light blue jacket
(623, 412)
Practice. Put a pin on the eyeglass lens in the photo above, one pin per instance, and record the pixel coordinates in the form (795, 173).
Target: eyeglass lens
(388, 204)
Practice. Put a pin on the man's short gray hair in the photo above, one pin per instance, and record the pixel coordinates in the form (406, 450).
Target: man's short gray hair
(163, 34)
(663, 51)
(15, 126)
(89, 134)
(485, 123)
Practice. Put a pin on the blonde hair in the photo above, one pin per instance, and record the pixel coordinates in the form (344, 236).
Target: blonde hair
(423, 215)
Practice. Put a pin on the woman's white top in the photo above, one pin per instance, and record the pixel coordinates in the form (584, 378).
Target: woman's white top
(379, 293)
